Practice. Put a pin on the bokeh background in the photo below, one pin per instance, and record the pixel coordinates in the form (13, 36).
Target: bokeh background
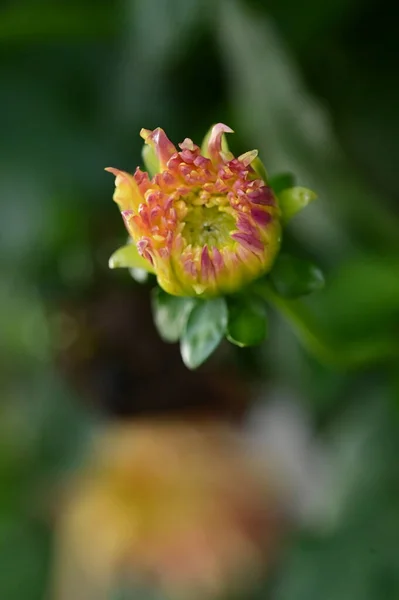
(314, 87)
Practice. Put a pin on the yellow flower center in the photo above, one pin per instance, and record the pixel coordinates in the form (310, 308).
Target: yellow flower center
(209, 226)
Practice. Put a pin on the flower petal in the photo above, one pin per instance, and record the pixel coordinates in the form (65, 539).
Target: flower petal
(161, 143)
(127, 194)
(215, 141)
(248, 157)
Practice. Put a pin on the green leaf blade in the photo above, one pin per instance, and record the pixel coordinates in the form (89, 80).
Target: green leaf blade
(170, 314)
(205, 329)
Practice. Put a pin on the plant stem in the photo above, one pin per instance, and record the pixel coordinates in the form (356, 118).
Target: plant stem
(345, 355)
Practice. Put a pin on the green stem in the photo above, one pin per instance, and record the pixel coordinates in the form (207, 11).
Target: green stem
(347, 355)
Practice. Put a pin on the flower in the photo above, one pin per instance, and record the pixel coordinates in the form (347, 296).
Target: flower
(206, 223)
(176, 505)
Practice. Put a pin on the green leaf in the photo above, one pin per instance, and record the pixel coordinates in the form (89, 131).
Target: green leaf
(293, 200)
(205, 328)
(150, 160)
(248, 324)
(128, 257)
(281, 182)
(170, 314)
(293, 277)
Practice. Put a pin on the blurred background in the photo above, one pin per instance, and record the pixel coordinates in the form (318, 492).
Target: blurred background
(314, 87)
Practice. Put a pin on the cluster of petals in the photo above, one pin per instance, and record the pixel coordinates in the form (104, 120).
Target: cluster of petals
(206, 222)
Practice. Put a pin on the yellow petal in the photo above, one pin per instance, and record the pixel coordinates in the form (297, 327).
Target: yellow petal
(127, 194)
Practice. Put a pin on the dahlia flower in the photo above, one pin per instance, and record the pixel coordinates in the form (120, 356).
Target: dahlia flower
(206, 223)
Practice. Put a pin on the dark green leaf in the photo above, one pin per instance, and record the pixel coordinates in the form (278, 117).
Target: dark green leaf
(170, 314)
(248, 325)
(206, 327)
(281, 182)
(293, 277)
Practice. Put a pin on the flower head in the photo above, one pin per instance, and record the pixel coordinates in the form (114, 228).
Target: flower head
(181, 506)
(205, 223)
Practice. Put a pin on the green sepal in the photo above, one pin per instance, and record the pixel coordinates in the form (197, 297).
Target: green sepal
(293, 200)
(150, 160)
(260, 169)
(281, 182)
(128, 257)
(204, 331)
(170, 314)
(248, 323)
(293, 277)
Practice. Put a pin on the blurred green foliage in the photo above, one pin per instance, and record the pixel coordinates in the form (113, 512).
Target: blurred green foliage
(314, 87)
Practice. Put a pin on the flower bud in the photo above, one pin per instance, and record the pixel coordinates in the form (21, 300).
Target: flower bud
(206, 223)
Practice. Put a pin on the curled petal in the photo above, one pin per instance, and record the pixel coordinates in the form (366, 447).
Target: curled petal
(188, 144)
(248, 157)
(161, 143)
(144, 248)
(206, 264)
(218, 262)
(215, 141)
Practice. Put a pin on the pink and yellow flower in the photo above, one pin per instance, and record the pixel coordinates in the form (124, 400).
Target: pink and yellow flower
(184, 507)
(206, 223)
